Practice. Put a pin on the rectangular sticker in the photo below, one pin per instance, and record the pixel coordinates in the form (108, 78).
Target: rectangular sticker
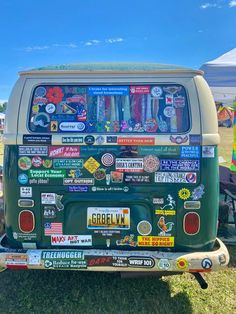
(155, 241)
(136, 140)
(70, 139)
(165, 212)
(179, 165)
(208, 151)
(33, 150)
(140, 89)
(108, 218)
(190, 152)
(63, 259)
(47, 173)
(71, 240)
(78, 181)
(175, 177)
(77, 188)
(129, 164)
(25, 191)
(48, 198)
(108, 90)
(64, 151)
(51, 228)
(68, 163)
(137, 178)
(37, 139)
(16, 260)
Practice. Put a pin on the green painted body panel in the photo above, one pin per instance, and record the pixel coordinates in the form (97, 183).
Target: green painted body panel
(140, 198)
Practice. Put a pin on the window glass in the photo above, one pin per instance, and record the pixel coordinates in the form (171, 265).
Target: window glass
(161, 108)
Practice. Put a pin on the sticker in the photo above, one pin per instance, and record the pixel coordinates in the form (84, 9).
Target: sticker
(100, 174)
(111, 139)
(158, 201)
(194, 139)
(198, 192)
(75, 173)
(37, 161)
(40, 101)
(37, 139)
(24, 236)
(100, 140)
(51, 228)
(169, 151)
(165, 212)
(137, 178)
(163, 264)
(107, 160)
(192, 205)
(152, 241)
(58, 203)
(64, 151)
(48, 198)
(50, 108)
(23, 178)
(89, 140)
(179, 165)
(206, 263)
(91, 165)
(47, 163)
(78, 181)
(55, 94)
(16, 260)
(178, 139)
(40, 91)
(24, 163)
(182, 264)
(72, 126)
(34, 257)
(51, 173)
(208, 151)
(41, 119)
(129, 164)
(175, 177)
(110, 189)
(164, 226)
(117, 218)
(127, 240)
(77, 188)
(136, 141)
(179, 102)
(66, 109)
(49, 212)
(39, 181)
(69, 139)
(71, 240)
(151, 163)
(54, 126)
(25, 191)
(150, 125)
(169, 112)
(170, 203)
(108, 90)
(144, 262)
(140, 90)
(63, 259)
(33, 150)
(172, 89)
(68, 163)
(144, 227)
(184, 194)
(117, 177)
(156, 91)
(190, 152)
(169, 99)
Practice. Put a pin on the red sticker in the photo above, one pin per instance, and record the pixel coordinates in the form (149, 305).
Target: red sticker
(64, 151)
(136, 141)
(139, 89)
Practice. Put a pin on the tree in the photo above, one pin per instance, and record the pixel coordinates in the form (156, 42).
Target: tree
(3, 107)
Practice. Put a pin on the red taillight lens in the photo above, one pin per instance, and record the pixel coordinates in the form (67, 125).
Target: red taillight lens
(26, 221)
(191, 223)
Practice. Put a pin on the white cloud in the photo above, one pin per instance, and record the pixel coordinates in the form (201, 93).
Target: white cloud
(208, 5)
(232, 3)
(34, 48)
(114, 40)
(92, 42)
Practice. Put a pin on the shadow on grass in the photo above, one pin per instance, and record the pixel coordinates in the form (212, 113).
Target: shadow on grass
(86, 292)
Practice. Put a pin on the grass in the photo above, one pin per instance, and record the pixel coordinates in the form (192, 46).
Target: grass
(226, 145)
(82, 292)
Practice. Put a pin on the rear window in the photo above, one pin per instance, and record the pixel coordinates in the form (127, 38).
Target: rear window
(161, 108)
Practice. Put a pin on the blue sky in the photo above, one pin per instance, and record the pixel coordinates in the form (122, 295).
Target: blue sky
(36, 33)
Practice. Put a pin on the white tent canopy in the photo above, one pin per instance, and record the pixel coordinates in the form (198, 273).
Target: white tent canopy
(220, 74)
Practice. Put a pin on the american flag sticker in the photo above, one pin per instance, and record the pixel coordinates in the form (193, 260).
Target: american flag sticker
(52, 228)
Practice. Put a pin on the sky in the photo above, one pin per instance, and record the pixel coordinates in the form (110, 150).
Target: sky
(36, 33)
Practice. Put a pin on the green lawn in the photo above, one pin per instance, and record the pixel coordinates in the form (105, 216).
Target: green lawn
(84, 292)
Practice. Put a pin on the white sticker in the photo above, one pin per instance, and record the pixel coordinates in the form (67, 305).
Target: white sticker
(50, 108)
(25, 191)
(48, 198)
(71, 240)
(156, 91)
(208, 151)
(164, 264)
(72, 126)
(176, 177)
(169, 111)
(34, 257)
(169, 99)
(129, 164)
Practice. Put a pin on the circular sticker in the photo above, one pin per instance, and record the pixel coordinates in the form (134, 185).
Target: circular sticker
(156, 91)
(144, 227)
(151, 163)
(40, 91)
(23, 178)
(41, 119)
(50, 108)
(100, 174)
(37, 161)
(182, 263)
(47, 163)
(184, 194)
(206, 263)
(24, 163)
(89, 140)
(163, 264)
(191, 177)
(107, 160)
(150, 125)
(35, 109)
(169, 111)
(100, 140)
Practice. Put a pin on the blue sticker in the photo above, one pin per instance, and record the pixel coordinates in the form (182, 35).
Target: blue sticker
(194, 139)
(190, 152)
(23, 178)
(108, 90)
(77, 188)
(179, 165)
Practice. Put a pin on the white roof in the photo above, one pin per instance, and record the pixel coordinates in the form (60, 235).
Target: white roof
(227, 59)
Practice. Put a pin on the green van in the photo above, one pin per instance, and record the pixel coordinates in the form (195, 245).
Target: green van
(112, 167)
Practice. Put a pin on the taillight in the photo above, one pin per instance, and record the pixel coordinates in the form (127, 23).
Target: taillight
(26, 221)
(191, 223)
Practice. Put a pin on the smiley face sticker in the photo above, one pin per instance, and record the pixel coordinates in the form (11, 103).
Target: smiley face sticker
(184, 194)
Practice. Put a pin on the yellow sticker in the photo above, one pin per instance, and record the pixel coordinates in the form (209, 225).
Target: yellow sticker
(182, 263)
(184, 194)
(91, 165)
(156, 241)
(54, 126)
(164, 212)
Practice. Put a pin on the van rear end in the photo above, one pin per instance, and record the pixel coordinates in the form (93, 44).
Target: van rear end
(112, 171)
